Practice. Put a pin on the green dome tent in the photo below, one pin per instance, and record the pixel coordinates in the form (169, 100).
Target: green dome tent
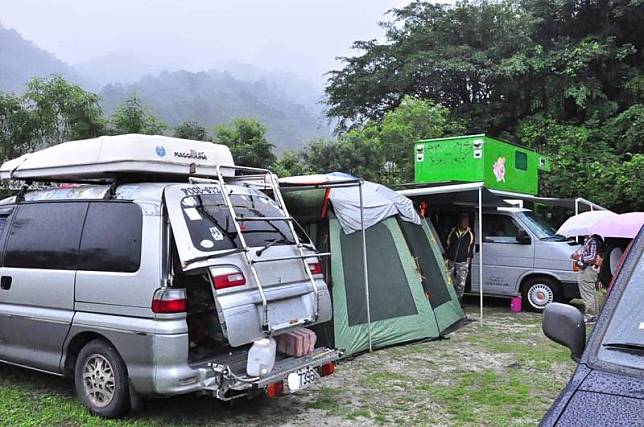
(409, 293)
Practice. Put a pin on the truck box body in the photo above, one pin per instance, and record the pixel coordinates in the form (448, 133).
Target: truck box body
(479, 158)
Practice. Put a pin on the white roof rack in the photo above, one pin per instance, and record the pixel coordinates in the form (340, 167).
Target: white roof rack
(107, 156)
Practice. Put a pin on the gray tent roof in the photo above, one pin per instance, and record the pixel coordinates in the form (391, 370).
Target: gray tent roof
(378, 202)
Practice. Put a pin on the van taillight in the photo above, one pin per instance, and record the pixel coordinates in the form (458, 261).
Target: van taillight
(326, 369)
(227, 277)
(275, 389)
(315, 267)
(167, 300)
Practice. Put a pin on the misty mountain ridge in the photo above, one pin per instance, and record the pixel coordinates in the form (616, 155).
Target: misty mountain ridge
(215, 97)
(21, 60)
(289, 107)
(125, 66)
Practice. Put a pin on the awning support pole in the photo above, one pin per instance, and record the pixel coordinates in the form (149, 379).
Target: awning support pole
(577, 213)
(480, 233)
(364, 265)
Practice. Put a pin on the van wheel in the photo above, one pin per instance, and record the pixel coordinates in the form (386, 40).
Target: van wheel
(538, 292)
(101, 380)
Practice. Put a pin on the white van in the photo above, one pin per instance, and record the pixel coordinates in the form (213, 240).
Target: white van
(522, 255)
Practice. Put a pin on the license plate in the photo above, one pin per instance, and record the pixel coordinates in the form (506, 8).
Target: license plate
(302, 378)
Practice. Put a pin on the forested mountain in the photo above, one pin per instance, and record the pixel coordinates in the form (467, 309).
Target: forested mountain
(288, 108)
(213, 98)
(20, 60)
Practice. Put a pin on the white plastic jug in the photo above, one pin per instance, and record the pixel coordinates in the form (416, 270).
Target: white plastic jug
(261, 357)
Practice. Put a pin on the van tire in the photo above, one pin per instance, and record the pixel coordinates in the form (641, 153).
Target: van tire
(539, 291)
(108, 378)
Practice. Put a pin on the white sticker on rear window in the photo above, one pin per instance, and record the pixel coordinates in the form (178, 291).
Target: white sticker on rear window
(641, 325)
(193, 214)
(216, 234)
(208, 244)
(189, 202)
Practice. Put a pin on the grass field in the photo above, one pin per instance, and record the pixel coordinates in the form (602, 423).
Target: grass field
(502, 373)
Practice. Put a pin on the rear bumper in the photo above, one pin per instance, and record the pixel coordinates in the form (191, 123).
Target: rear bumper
(225, 377)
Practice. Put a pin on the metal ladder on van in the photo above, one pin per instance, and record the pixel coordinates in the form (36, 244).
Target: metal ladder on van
(267, 179)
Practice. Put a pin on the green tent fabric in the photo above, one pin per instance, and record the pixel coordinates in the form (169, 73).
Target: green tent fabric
(410, 293)
(398, 308)
(436, 279)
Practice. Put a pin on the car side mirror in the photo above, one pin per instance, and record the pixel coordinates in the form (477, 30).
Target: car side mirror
(523, 237)
(565, 325)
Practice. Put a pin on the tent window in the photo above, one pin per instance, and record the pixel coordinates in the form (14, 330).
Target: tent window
(389, 292)
(432, 277)
(521, 160)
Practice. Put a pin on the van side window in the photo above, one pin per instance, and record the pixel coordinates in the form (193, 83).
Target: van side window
(499, 228)
(5, 215)
(45, 235)
(111, 237)
(4, 218)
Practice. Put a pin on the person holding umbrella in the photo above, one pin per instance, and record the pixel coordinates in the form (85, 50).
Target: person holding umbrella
(586, 258)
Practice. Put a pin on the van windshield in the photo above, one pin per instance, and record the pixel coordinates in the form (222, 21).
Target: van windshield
(539, 227)
(211, 227)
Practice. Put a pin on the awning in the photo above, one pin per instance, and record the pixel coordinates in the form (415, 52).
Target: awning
(568, 203)
(473, 195)
(457, 194)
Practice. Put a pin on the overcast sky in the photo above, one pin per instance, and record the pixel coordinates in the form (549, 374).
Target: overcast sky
(302, 37)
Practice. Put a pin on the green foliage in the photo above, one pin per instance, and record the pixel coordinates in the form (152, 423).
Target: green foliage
(247, 141)
(585, 161)
(377, 150)
(16, 127)
(191, 130)
(133, 117)
(351, 153)
(62, 111)
(562, 76)
(50, 111)
(412, 120)
(291, 164)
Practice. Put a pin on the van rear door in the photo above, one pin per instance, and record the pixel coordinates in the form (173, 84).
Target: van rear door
(261, 289)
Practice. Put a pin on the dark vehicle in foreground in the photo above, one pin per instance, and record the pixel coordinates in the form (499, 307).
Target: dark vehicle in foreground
(607, 389)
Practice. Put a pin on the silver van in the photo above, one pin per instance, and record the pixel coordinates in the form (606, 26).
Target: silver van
(522, 255)
(152, 289)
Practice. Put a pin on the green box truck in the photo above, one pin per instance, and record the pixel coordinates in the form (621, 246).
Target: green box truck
(479, 158)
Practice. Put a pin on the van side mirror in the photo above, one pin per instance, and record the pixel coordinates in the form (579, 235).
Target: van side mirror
(523, 237)
(565, 325)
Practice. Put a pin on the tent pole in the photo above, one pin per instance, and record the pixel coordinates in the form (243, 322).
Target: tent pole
(364, 264)
(480, 233)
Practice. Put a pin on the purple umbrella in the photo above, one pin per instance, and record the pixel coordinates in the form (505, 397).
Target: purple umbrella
(625, 225)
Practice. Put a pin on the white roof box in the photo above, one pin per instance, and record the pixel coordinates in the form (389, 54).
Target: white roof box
(108, 156)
